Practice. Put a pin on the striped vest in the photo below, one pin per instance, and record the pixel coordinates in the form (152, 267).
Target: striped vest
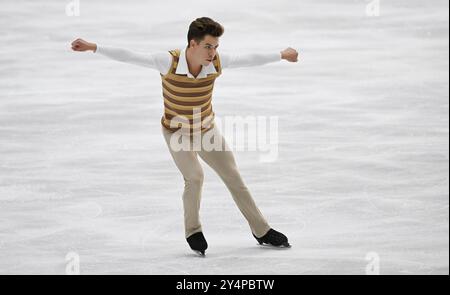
(187, 101)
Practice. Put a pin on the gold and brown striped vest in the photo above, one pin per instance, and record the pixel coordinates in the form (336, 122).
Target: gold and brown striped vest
(187, 101)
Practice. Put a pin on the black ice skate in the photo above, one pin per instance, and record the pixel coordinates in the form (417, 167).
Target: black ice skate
(274, 238)
(198, 243)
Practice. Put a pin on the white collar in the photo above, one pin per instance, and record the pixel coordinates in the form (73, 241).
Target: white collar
(182, 67)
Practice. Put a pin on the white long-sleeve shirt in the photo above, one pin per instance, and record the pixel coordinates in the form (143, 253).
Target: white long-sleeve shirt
(162, 60)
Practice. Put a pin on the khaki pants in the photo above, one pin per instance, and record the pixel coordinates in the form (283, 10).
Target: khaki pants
(223, 163)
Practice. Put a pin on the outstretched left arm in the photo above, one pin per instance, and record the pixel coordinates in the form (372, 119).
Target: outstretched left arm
(257, 59)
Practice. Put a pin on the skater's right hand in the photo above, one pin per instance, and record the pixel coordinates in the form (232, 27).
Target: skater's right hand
(82, 45)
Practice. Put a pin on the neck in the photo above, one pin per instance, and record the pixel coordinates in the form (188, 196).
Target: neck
(194, 68)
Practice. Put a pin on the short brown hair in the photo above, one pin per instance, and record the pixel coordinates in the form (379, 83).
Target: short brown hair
(203, 26)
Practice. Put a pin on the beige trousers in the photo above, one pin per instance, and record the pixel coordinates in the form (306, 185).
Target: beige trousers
(222, 161)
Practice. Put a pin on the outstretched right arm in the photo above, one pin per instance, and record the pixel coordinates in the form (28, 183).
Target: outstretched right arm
(160, 61)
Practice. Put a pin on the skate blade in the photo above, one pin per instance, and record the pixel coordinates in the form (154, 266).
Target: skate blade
(199, 253)
(282, 246)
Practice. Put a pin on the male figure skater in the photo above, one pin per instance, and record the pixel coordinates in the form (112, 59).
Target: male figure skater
(188, 77)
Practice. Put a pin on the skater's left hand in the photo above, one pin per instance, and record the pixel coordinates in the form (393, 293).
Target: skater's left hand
(289, 54)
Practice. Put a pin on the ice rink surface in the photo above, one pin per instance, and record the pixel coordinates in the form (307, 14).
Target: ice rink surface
(362, 173)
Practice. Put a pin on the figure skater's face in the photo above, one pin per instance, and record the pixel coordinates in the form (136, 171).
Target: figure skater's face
(205, 51)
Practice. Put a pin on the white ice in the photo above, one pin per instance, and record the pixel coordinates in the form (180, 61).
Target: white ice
(363, 164)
